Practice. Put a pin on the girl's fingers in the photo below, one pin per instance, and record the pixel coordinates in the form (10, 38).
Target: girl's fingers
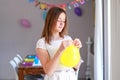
(77, 43)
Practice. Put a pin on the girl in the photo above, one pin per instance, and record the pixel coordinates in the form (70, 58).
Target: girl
(52, 43)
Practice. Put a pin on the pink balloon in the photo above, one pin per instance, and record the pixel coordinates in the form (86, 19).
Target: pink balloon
(25, 23)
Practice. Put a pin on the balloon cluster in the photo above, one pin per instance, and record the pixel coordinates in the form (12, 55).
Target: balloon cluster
(70, 56)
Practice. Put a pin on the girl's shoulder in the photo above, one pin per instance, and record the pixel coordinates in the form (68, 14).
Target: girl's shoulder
(41, 43)
(41, 39)
(66, 37)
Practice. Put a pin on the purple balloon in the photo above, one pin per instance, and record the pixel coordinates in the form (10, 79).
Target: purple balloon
(78, 11)
(25, 23)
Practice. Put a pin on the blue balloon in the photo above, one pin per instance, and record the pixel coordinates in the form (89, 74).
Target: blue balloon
(78, 11)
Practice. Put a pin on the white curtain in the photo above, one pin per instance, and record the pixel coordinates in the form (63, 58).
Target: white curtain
(98, 44)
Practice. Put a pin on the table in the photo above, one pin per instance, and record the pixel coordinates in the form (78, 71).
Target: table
(29, 70)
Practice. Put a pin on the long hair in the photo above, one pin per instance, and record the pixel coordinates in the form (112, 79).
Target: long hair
(50, 23)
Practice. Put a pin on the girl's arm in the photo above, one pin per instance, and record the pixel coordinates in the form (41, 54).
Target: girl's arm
(49, 65)
(78, 44)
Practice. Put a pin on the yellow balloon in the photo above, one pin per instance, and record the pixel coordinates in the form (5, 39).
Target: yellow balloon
(70, 56)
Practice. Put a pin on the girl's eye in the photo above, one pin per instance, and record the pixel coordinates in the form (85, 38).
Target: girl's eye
(61, 21)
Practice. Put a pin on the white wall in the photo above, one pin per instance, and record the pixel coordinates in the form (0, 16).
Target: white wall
(115, 40)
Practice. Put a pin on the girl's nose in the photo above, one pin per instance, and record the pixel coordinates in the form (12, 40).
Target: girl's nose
(61, 23)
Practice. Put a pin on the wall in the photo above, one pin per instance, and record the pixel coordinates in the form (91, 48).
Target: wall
(16, 39)
(115, 40)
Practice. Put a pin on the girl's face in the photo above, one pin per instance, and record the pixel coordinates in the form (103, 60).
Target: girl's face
(60, 23)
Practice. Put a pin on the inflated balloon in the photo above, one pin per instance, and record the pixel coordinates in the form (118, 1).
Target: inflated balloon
(25, 23)
(70, 56)
(78, 11)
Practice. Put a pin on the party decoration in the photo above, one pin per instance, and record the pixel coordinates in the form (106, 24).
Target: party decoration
(77, 11)
(75, 3)
(77, 0)
(37, 3)
(25, 23)
(31, 0)
(70, 56)
(82, 1)
(43, 6)
(69, 6)
(44, 14)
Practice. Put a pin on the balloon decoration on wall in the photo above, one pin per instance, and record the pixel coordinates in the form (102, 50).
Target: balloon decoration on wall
(78, 11)
(82, 1)
(70, 5)
(25, 23)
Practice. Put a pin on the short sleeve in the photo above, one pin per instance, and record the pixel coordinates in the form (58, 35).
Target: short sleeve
(67, 37)
(41, 43)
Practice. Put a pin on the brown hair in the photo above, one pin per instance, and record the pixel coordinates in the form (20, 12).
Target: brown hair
(50, 23)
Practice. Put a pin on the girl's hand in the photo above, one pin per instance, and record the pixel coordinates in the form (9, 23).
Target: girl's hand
(65, 44)
(78, 65)
(77, 43)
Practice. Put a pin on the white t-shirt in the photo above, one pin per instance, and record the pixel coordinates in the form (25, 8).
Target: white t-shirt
(52, 48)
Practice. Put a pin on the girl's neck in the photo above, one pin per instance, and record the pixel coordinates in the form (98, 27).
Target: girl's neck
(56, 37)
